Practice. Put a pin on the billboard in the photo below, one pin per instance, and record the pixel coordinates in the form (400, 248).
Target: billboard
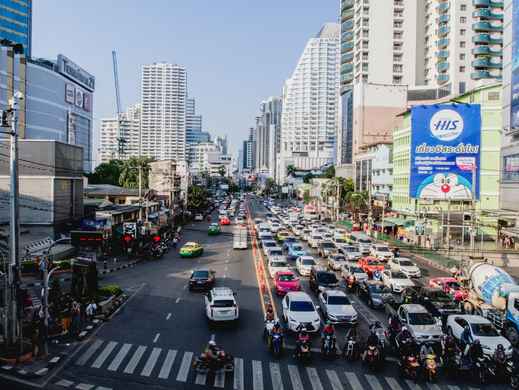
(445, 149)
(514, 107)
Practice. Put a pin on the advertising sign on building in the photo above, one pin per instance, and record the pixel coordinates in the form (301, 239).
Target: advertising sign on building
(74, 72)
(79, 98)
(514, 107)
(445, 151)
(87, 102)
(70, 93)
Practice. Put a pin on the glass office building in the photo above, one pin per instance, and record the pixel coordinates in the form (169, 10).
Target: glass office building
(16, 22)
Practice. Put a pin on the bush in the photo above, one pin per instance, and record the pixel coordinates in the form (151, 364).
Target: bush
(29, 267)
(108, 290)
(64, 264)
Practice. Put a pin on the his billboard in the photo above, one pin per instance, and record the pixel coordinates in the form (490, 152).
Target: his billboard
(445, 150)
(514, 108)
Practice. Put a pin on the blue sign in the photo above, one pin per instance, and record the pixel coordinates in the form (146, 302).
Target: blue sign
(445, 151)
(514, 107)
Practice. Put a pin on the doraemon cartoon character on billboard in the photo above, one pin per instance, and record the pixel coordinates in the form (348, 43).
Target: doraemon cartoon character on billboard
(445, 151)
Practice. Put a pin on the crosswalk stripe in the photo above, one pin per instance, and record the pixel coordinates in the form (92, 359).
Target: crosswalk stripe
(219, 379)
(334, 380)
(275, 375)
(353, 380)
(453, 387)
(168, 363)
(89, 352)
(413, 385)
(201, 378)
(433, 386)
(104, 355)
(295, 378)
(238, 374)
(393, 383)
(257, 375)
(314, 378)
(184, 366)
(137, 355)
(114, 364)
(152, 360)
(373, 382)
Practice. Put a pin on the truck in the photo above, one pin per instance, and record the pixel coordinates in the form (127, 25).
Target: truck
(494, 294)
(240, 238)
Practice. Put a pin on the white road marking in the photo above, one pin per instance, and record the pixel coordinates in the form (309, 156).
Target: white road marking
(413, 385)
(201, 378)
(275, 374)
(314, 378)
(152, 360)
(84, 386)
(295, 378)
(64, 383)
(334, 380)
(168, 363)
(238, 374)
(89, 352)
(257, 375)
(168, 316)
(184, 367)
(373, 382)
(433, 386)
(114, 365)
(185, 287)
(104, 355)
(354, 381)
(178, 300)
(137, 355)
(156, 338)
(452, 387)
(393, 383)
(219, 379)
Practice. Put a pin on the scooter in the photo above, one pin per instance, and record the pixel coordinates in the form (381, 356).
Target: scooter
(350, 348)
(430, 367)
(409, 367)
(212, 364)
(276, 344)
(372, 357)
(303, 353)
(328, 348)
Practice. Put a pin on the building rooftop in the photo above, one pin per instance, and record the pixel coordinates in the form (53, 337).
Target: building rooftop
(329, 30)
(109, 190)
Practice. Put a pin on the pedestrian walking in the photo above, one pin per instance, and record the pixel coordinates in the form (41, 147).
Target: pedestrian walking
(91, 310)
(76, 319)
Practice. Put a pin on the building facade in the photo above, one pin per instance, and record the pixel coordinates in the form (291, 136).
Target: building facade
(311, 104)
(16, 22)
(194, 133)
(163, 118)
(268, 133)
(199, 155)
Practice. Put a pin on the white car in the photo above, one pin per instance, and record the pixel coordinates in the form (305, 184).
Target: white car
(268, 244)
(277, 265)
(275, 227)
(265, 235)
(314, 240)
(306, 234)
(351, 252)
(199, 217)
(396, 281)
(339, 233)
(481, 329)
(336, 261)
(337, 308)
(354, 270)
(304, 265)
(404, 265)
(382, 252)
(298, 230)
(275, 252)
(298, 309)
(221, 305)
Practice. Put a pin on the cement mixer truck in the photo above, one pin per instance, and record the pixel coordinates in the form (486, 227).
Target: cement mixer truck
(494, 295)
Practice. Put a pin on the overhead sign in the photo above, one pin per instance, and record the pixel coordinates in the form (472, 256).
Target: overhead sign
(445, 151)
(514, 106)
(74, 72)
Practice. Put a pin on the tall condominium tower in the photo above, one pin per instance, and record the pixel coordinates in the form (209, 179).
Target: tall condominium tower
(268, 126)
(163, 119)
(16, 22)
(310, 104)
(194, 133)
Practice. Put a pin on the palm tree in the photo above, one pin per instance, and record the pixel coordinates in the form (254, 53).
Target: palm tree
(129, 176)
(357, 201)
(291, 170)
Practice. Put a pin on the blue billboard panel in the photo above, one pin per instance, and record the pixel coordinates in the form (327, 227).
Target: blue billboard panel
(514, 114)
(445, 151)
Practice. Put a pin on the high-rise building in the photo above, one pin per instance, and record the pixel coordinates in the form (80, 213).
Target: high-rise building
(222, 144)
(249, 151)
(199, 157)
(310, 112)
(268, 133)
(163, 118)
(194, 133)
(16, 22)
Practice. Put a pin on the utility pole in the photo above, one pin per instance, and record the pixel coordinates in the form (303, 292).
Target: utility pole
(473, 216)
(448, 240)
(140, 191)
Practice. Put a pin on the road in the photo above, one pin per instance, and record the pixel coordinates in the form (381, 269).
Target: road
(151, 342)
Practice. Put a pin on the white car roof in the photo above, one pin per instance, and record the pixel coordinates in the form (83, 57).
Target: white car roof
(299, 296)
(337, 293)
(415, 308)
(307, 257)
(472, 318)
(222, 292)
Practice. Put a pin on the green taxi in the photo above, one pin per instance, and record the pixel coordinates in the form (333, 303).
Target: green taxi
(191, 249)
(214, 229)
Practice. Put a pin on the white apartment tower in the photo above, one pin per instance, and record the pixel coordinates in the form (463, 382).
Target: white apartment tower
(163, 121)
(310, 104)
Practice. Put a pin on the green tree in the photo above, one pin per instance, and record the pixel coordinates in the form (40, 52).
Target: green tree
(329, 172)
(129, 177)
(357, 201)
(308, 177)
(197, 198)
(106, 173)
(221, 171)
(306, 197)
(291, 170)
(270, 186)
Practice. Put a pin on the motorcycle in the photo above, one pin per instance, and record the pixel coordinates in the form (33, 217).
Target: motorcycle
(328, 348)
(276, 343)
(409, 367)
(350, 348)
(451, 362)
(156, 251)
(430, 367)
(269, 325)
(351, 285)
(303, 353)
(209, 363)
(513, 374)
(480, 368)
(372, 357)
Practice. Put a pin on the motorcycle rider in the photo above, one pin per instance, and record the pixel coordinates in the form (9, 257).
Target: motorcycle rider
(395, 327)
(499, 359)
(328, 330)
(302, 337)
(269, 314)
(466, 337)
(449, 346)
(474, 351)
(406, 343)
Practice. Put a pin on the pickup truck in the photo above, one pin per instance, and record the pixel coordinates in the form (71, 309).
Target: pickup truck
(422, 325)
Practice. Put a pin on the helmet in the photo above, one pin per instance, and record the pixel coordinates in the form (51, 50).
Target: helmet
(328, 323)
(270, 307)
(277, 325)
(212, 343)
(477, 342)
(500, 347)
(404, 329)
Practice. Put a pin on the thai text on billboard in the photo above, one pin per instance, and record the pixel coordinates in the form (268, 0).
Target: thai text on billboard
(514, 114)
(445, 151)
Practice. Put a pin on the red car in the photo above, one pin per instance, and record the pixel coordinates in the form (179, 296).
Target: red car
(225, 221)
(286, 281)
(370, 264)
(450, 286)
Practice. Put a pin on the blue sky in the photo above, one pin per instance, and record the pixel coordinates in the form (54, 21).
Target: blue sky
(237, 52)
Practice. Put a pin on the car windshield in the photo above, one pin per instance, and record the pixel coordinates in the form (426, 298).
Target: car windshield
(364, 240)
(297, 248)
(484, 330)
(279, 264)
(406, 263)
(421, 319)
(301, 306)
(276, 253)
(286, 278)
(200, 274)
(350, 249)
(269, 243)
(374, 262)
(339, 258)
(340, 240)
(382, 249)
(338, 300)
(317, 237)
(327, 245)
(223, 303)
(327, 277)
(376, 288)
(308, 262)
(398, 275)
(356, 270)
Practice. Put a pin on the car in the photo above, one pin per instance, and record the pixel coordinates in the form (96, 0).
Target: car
(286, 281)
(202, 279)
(326, 248)
(352, 252)
(276, 265)
(340, 233)
(370, 264)
(191, 249)
(374, 292)
(298, 230)
(275, 227)
(240, 220)
(295, 250)
(288, 241)
(262, 227)
(304, 265)
(381, 251)
(404, 265)
(199, 217)
(355, 271)
(221, 305)
(397, 281)
(339, 241)
(282, 235)
(336, 261)
(479, 328)
(224, 220)
(436, 301)
(337, 308)
(451, 286)
(214, 229)
(421, 324)
(314, 240)
(299, 309)
(322, 279)
(268, 244)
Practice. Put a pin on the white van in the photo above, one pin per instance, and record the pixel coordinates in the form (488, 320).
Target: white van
(363, 241)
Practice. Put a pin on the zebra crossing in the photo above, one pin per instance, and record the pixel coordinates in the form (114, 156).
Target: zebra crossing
(168, 366)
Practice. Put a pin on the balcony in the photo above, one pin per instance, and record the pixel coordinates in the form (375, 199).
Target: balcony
(442, 67)
(487, 51)
(346, 78)
(347, 26)
(487, 27)
(443, 7)
(346, 68)
(486, 13)
(347, 36)
(347, 15)
(347, 4)
(486, 64)
(347, 47)
(481, 3)
(442, 43)
(442, 54)
(444, 31)
(479, 75)
(442, 78)
(487, 39)
(497, 3)
(345, 58)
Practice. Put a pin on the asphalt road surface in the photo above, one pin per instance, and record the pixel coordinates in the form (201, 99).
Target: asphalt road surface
(151, 342)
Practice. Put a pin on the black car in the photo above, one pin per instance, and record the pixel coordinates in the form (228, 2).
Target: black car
(202, 279)
(321, 279)
(374, 293)
(435, 300)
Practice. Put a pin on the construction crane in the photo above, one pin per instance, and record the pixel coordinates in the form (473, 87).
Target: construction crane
(121, 141)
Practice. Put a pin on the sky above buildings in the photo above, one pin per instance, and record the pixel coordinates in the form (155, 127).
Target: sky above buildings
(237, 52)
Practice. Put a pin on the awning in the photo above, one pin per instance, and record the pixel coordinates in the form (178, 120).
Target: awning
(401, 221)
(386, 224)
